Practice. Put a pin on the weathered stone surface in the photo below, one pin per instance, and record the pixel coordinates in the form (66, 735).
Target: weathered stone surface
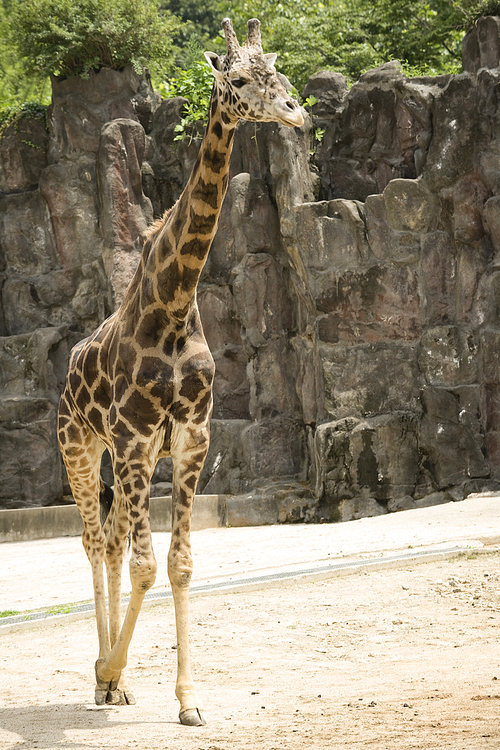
(400, 503)
(223, 333)
(381, 132)
(226, 470)
(54, 299)
(271, 373)
(33, 364)
(169, 162)
(124, 211)
(378, 304)
(26, 238)
(31, 467)
(410, 207)
(295, 503)
(492, 437)
(487, 136)
(435, 498)
(385, 242)
(447, 440)
(490, 350)
(274, 447)
(365, 380)
(438, 268)
(389, 71)
(254, 217)
(452, 148)
(23, 154)
(251, 509)
(481, 45)
(354, 508)
(331, 235)
(373, 460)
(468, 195)
(330, 89)
(449, 356)
(491, 216)
(30, 263)
(353, 309)
(80, 107)
(70, 190)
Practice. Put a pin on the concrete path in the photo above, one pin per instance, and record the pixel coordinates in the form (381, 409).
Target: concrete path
(50, 572)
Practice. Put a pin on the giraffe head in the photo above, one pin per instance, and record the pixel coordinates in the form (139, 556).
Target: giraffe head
(246, 81)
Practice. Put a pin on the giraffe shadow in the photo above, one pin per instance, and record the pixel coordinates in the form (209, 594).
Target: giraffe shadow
(56, 726)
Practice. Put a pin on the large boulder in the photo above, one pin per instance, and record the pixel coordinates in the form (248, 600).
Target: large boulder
(351, 299)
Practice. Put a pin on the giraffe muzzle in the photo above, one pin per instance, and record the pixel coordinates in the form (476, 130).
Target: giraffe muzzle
(290, 114)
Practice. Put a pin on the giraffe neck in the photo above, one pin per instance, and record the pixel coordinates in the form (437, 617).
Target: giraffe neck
(178, 245)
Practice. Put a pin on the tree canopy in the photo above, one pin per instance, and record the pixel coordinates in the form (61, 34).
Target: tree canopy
(73, 37)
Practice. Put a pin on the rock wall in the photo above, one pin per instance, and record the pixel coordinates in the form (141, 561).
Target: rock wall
(351, 301)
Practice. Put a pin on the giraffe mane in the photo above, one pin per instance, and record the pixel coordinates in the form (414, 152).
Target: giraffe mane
(155, 227)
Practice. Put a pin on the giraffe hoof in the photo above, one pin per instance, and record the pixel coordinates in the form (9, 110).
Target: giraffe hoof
(193, 717)
(120, 698)
(129, 697)
(100, 696)
(108, 693)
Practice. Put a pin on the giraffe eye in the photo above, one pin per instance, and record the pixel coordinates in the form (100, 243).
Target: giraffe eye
(238, 82)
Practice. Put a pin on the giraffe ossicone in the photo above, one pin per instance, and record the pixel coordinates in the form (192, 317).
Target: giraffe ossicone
(141, 384)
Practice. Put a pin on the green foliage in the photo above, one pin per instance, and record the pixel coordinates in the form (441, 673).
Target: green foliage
(352, 36)
(10, 115)
(415, 71)
(420, 32)
(73, 37)
(15, 86)
(60, 609)
(195, 85)
(475, 10)
(9, 613)
(200, 23)
(310, 101)
(328, 37)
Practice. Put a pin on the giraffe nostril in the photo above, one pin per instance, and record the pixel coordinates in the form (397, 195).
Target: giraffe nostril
(290, 105)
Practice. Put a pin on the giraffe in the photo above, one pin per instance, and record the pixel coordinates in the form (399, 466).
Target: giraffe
(141, 384)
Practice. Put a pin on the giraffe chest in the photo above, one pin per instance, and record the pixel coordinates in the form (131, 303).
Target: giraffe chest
(121, 388)
(160, 390)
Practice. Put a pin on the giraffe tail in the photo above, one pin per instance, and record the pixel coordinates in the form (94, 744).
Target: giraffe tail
(106, 496)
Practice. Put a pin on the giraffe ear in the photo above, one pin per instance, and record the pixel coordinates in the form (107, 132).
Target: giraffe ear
(214, 61)
(271, 58)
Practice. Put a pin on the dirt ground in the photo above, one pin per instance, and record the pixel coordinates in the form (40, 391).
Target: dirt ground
(405, 658)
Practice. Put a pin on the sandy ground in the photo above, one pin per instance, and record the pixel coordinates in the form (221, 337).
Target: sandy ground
(405, 658)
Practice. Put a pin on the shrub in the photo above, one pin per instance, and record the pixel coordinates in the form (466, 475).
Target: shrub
(73, 37)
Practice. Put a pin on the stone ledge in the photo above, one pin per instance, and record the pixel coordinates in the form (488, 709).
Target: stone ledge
(24, 524)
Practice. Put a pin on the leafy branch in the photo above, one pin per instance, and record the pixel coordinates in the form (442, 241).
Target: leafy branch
(195, 85)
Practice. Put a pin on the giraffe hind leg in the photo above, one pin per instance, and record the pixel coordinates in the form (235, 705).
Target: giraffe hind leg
(116, 528)
(81, 451)
(132, 479)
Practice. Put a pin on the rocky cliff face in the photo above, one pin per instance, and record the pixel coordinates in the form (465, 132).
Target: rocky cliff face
(351, 304)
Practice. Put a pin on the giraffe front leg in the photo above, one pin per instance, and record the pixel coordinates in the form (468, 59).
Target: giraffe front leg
(180, 568)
